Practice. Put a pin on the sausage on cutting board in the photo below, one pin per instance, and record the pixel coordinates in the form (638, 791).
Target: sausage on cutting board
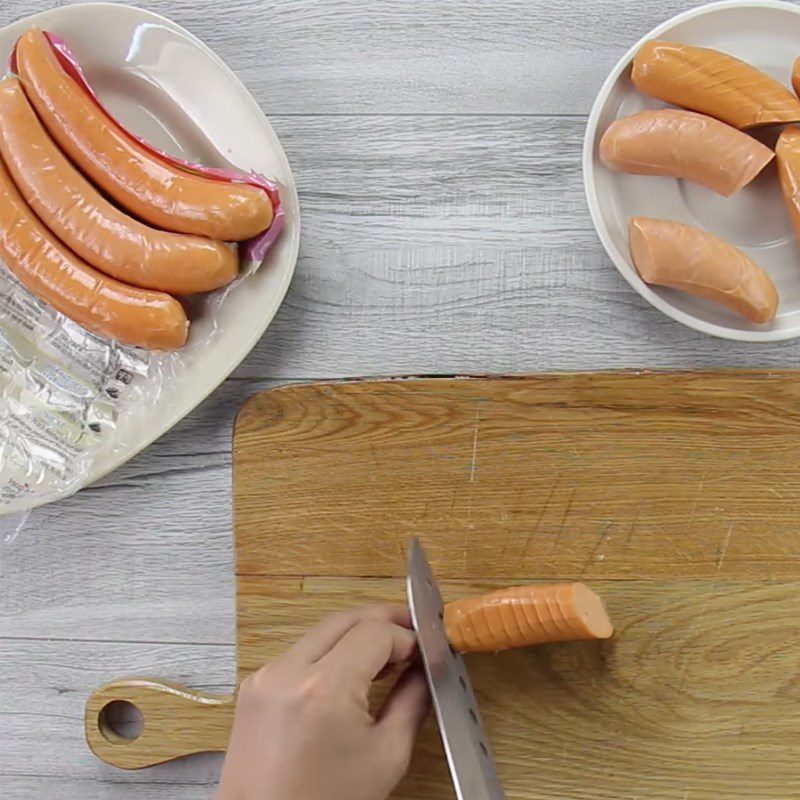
(671, 254)
(90, 225)
(148, 187)
(100, 304)
(712, 83)
(684, 144)
(526, 615)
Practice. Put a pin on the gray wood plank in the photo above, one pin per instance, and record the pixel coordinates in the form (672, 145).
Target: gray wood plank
(460, 245)
(145, 555)
(438, 237)
(25, 787)
(419, 56)
(43, 688)
(444, 244)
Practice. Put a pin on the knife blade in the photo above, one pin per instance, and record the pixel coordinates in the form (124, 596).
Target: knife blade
(467, 750)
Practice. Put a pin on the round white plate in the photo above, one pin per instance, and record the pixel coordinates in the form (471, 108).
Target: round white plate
(767, 35)
(167, 85)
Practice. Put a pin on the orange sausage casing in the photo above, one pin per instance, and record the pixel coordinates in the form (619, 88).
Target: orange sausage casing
(100, 304)
(526, 615)
(149, 188)
(671, 254)
(90, 225)
(788, 152)
(684, 144)
(796, 76)
(712, 83)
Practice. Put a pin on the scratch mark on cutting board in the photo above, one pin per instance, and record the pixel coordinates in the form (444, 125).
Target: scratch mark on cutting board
(374, 454)
(724, 549)
(517, 507)
(595, 555)
(567, 443)
(474, 446)
(535, 530)
(635, 522)
(567, 509)
(697, 497)
(691, 516)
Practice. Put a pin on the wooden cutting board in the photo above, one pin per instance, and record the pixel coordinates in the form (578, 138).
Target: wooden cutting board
(675, 495)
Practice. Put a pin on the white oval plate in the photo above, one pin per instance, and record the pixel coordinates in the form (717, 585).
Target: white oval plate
(170, 87)
(766, 33)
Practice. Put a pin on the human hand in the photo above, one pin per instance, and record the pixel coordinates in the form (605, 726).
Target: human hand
(303, 729)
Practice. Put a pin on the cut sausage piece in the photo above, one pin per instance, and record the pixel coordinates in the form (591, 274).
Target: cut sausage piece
(684, 144)
(526, 615)
(712, 83)
(100, 304)
(90, 225)
(796, 76)
(788, 152)
(671, 254)
(146, 186)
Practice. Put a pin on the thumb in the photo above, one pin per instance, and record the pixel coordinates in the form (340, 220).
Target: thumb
(404, 712)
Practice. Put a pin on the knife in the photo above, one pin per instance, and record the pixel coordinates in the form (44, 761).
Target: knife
(469, 758)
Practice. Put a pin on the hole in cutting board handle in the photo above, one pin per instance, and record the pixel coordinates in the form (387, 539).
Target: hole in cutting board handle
(120, 722)
(176, 722)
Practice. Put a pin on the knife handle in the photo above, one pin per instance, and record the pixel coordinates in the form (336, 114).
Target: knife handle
(175, 722)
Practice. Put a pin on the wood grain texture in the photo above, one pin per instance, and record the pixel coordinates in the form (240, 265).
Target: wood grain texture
(453, 244)
(487, 265)
(25, 787)
(197, 722)
(688, 698)
(417, 57)
(572, 476)
(490, 265)
(43, 689)
(145, 554)
(695, 695)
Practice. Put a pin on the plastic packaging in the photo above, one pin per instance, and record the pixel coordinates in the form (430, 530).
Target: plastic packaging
(63, 389)
(60, 388)
(93, 227)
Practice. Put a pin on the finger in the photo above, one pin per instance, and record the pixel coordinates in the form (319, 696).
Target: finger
(366, 649)
(320, 639)
(404, 712)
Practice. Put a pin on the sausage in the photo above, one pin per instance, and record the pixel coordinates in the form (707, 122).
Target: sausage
(788, 152)
(90, 225)
(796, 76)
(672, 254)
(684, 144)
(526, 615)
(100, 304)
(151, 189)
(712, 83)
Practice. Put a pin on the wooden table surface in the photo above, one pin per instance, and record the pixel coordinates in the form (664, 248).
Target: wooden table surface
(436, 147)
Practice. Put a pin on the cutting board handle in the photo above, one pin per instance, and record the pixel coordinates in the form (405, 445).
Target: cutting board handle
(175, 722)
